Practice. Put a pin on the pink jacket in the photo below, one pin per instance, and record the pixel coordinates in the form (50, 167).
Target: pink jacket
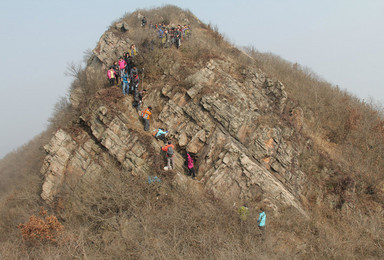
(111, 73)
(122, 64)
(190, 162)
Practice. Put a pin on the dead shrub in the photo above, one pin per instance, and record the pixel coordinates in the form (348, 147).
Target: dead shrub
(39, 229)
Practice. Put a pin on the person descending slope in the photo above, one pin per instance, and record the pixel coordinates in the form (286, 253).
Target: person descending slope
(146, 114)
(138, 99)
(169, 149)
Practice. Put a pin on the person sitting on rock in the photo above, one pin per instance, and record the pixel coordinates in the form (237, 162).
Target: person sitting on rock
(160, 135)
(146, 114)
(191, 169)
(169, 153)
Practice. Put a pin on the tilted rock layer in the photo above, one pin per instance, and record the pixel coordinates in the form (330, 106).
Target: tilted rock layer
(228, 120)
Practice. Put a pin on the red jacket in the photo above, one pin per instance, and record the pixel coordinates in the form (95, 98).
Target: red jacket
(165, 148)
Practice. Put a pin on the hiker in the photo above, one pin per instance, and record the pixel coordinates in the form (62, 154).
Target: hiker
(128, 62)
(134, 79)
(135, 85)
(169, 152)
(177, 35)
(122, 65)
(138, 99)
(146, 114)
(160, 135)
(125, 83)
(261, 220)
(143, 22)
(243, 212)
(133, 51)
(117, 71)
(191, 169)
(111, 76)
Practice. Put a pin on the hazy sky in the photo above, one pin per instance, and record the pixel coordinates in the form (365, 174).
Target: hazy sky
(340, 40)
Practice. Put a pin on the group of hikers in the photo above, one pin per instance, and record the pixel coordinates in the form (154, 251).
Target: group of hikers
(169, 35)
(124, 73)
(244, 211)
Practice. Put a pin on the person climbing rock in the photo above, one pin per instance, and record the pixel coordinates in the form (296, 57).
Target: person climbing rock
(138, 99)
(191, 169)
(169, 153)
(111, 76)
(146, 114)
(160, 135)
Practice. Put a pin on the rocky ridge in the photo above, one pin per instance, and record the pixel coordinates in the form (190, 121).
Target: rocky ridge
(230, 120)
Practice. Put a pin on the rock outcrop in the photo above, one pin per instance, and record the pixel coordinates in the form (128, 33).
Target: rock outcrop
(230, 121)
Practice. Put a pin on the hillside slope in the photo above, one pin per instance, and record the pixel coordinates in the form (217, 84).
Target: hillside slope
(251, 141)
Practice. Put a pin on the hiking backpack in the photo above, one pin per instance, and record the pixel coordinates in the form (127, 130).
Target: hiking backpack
(170, 151)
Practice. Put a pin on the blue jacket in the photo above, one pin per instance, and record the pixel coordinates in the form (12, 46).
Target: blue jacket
(161, 132)
(125, 78)
(262, 218)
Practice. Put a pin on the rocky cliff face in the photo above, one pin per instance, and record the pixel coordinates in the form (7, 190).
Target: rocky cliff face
(231, 120)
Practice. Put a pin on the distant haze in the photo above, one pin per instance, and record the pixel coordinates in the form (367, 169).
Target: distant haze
(341, 41)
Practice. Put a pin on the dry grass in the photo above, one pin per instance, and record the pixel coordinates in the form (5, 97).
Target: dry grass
(115, 215)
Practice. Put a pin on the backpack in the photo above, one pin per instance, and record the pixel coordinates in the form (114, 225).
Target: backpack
(170, 151)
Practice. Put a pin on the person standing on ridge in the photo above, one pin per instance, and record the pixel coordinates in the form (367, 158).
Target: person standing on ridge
(169, 152)
(111, 76)
(122, 65)
(146, 114)
(116, 68)
(125, 83)
(143, 22)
